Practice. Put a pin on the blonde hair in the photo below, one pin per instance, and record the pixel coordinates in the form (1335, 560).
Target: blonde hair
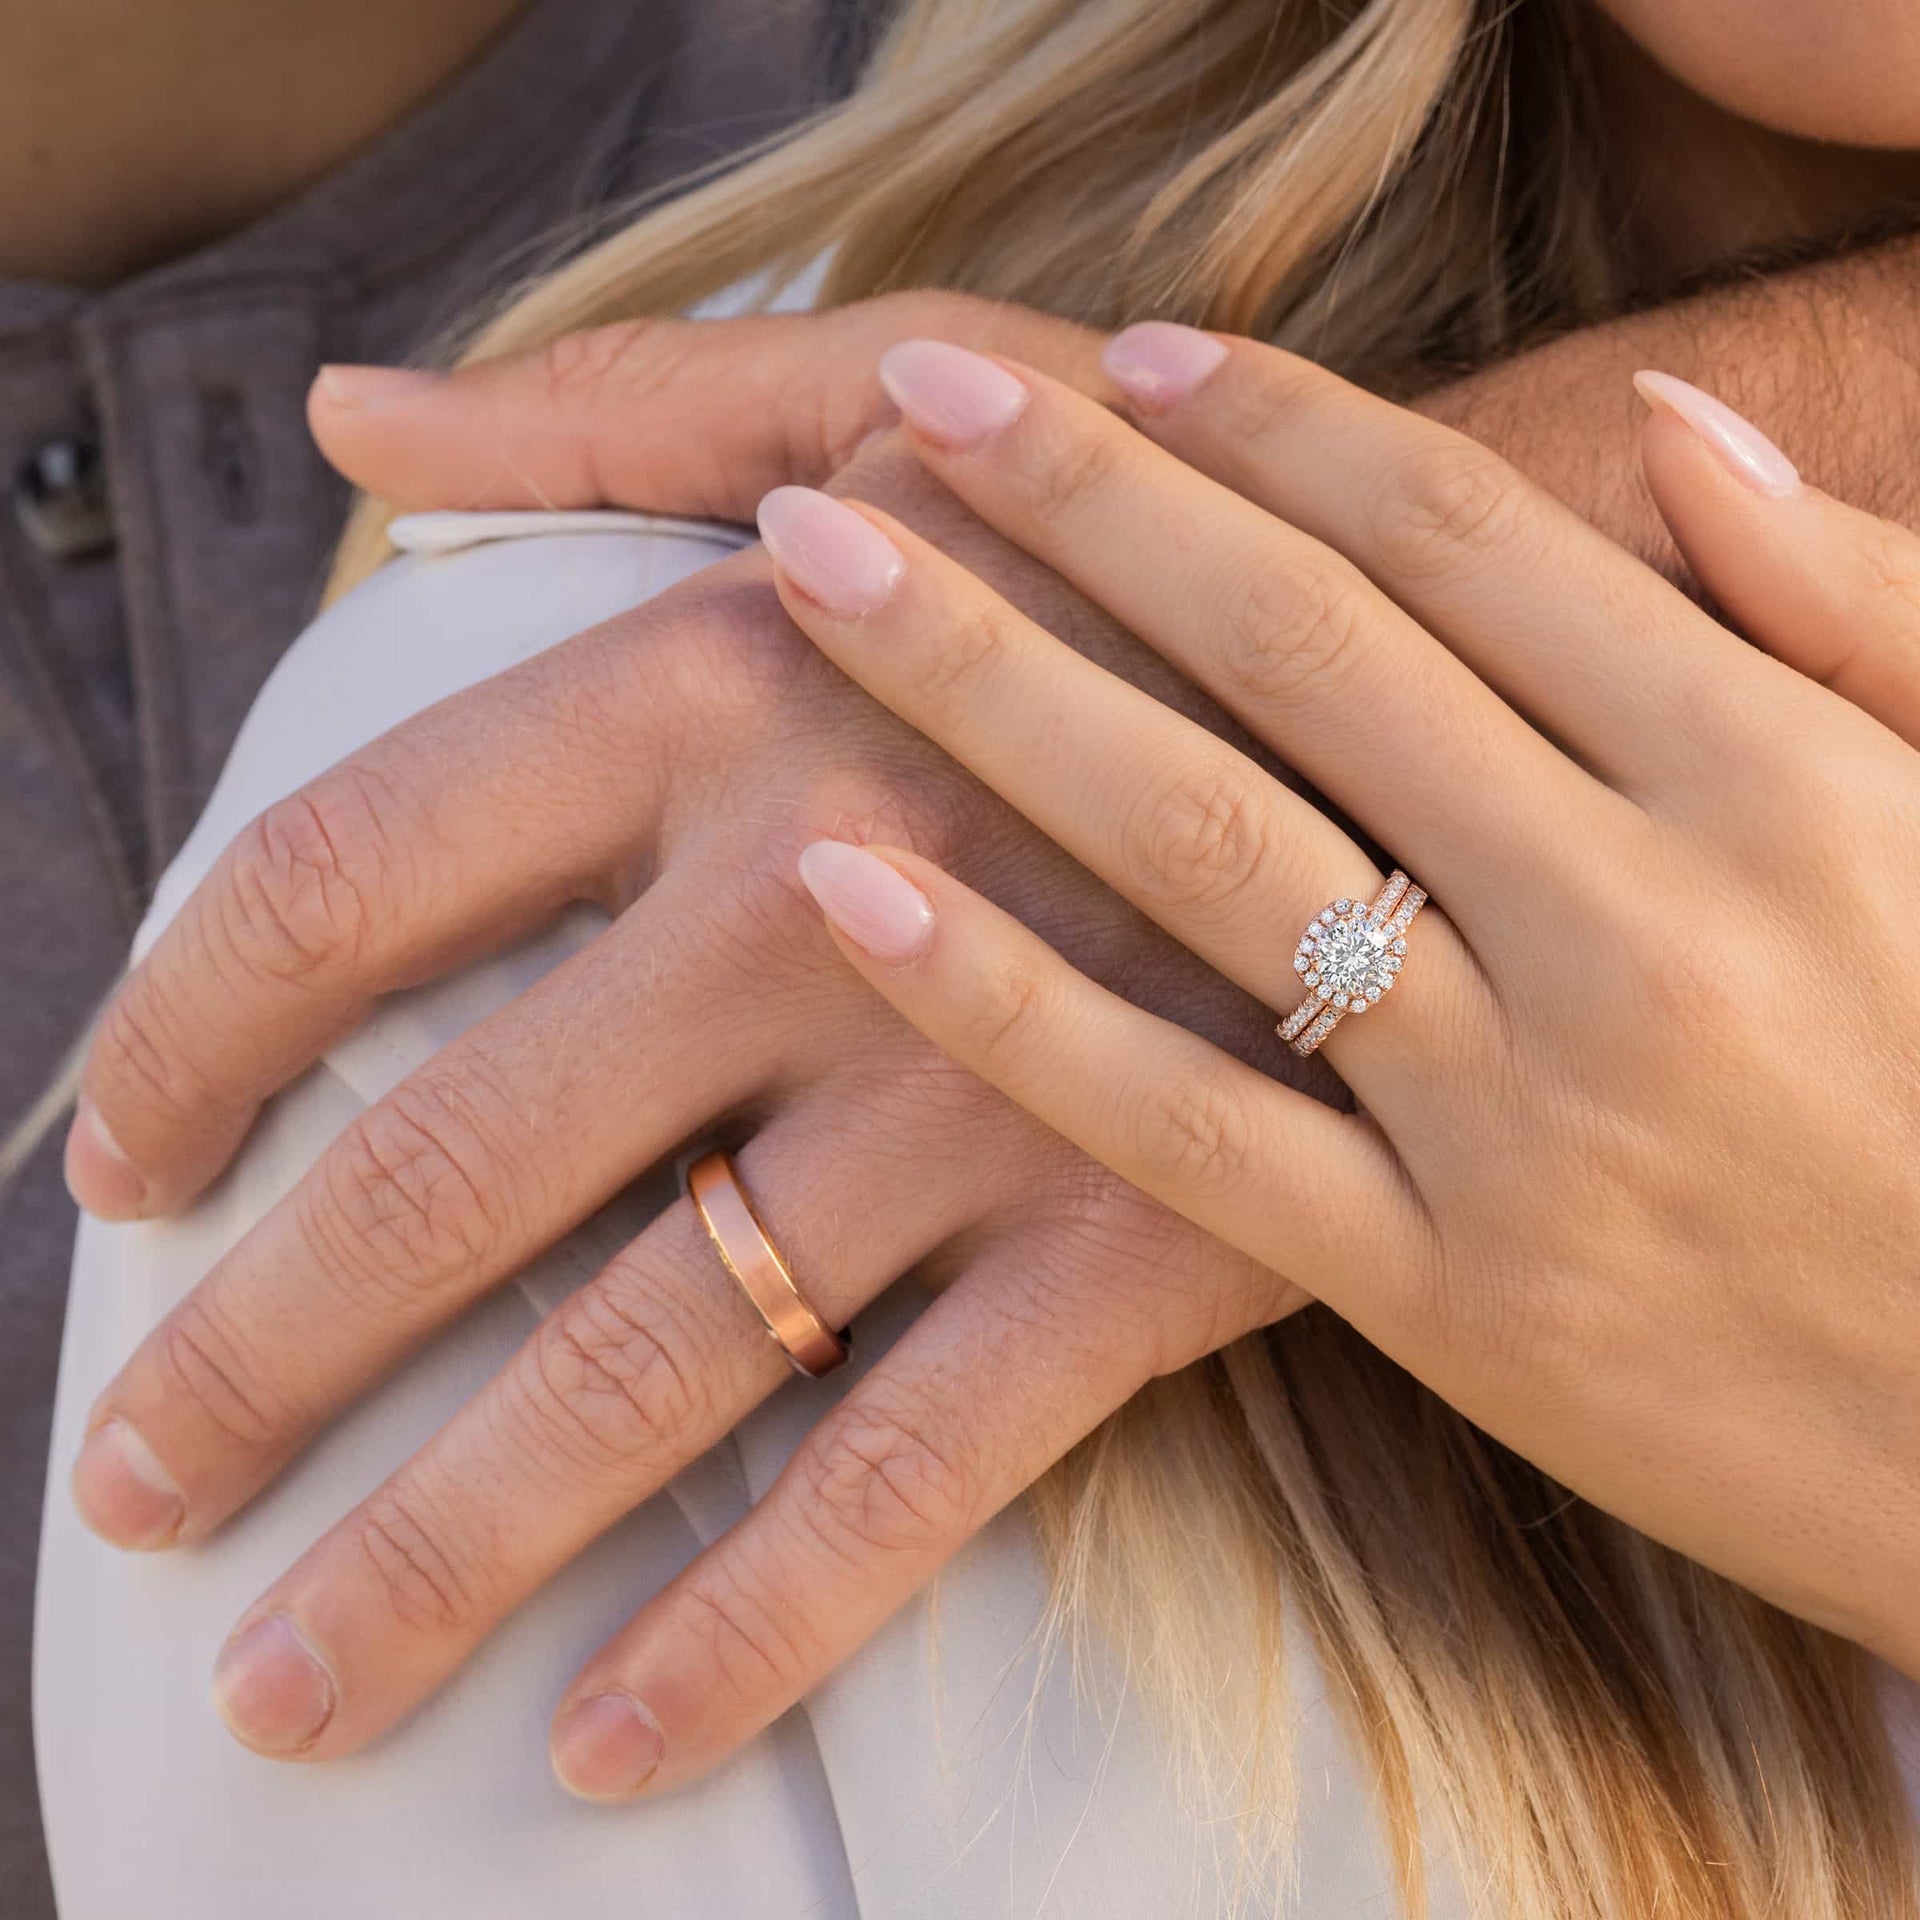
(1600, 1727)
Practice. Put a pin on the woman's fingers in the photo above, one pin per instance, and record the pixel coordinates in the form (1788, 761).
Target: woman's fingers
(640, 1372)
(1829, 590)
(1574, 632)
(448, 837)
(1287, 634)
(1225, 858)
(1314, 1194)
(1016, 1362)
(432, 1197)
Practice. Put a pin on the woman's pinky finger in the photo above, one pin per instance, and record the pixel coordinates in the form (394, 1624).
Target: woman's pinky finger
(994, 1382)
(1299, 1187)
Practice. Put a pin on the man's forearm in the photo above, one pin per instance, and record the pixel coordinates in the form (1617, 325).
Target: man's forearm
(1826, 358)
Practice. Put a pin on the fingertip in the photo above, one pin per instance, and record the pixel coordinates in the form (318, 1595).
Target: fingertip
(99, 1175)
(607, 1748)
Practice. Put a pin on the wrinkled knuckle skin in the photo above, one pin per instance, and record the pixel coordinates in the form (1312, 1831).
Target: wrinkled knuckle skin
(1197, 845)
(582, 366)
(309, 885)
(133, 1062)
(1001, 1026)
(421, 1579)
(1289, 636)
(1449, 510)
(878, 1485)
(1072, 477)
(961, 657)
(748, 1637)
(616, 1385)
(1196, 1139)
(203, 1367)
(415, 1190)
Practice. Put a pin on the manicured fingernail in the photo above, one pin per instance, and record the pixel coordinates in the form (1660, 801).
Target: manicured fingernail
(829, 552)
(606, 1748)
(123, 1492)
(369, 387)
(1742, 448)
(99, 1175)
(951, 395)
(273, 1691)
(1157, 364)
(872, 903)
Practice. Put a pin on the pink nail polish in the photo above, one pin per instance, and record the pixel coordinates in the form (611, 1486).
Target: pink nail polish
(607, 1748)
(99, 1175)
(1157, 364)
(952, 396)
(354, 388)
(872, 903)
(1742, 448)
(273, 1691)
(829, 552)
(124, 1493)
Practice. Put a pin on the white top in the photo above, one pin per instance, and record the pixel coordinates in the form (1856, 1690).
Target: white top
(957, 1783)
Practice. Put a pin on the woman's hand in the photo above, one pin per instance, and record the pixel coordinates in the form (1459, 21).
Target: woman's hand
(1635, 1182)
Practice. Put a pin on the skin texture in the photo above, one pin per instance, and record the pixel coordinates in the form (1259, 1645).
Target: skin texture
(1635, 1189)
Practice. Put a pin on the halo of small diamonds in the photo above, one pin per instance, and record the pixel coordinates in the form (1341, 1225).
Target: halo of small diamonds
(1349, 957)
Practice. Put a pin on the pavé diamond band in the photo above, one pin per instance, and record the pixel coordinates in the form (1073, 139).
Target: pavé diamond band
(1348, 957)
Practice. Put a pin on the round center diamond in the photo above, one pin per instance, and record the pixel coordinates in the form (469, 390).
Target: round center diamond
(1351, 957)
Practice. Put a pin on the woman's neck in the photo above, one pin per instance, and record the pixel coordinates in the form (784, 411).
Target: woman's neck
(140, 129)
(1701, 187)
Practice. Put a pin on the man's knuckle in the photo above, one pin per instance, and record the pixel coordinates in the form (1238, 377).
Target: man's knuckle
(616, 1382)
(416, 1188)
(1448, 509)
(135, 1059)
(205, 1368)
(309, 884)
(414, 1567)
(878, 1482)
(752, 1641)
(581, 366)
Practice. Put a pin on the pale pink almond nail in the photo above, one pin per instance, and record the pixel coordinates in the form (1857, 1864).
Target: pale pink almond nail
(829, 552)
(273, 1691)
(124, 1493)
(355, 388)
(952, 396)
(1740, 446)
(607, 1748)
(1157, 364)
(873, 904)
(99, 1175)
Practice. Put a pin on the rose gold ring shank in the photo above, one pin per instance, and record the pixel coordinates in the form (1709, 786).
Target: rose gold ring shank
(745, 1251)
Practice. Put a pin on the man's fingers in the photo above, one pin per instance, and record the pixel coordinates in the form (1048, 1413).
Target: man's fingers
(433, 1196)
(666, 416)
(1017, 1361)
(637, 1374)
(1798, 572)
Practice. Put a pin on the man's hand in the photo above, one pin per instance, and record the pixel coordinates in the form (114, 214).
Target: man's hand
(670, 765)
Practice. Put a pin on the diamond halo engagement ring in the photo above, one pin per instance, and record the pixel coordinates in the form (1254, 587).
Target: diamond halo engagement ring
(1348, 957)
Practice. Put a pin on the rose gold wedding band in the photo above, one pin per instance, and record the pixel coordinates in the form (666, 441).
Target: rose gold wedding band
(1348, 957)
(746, 1253)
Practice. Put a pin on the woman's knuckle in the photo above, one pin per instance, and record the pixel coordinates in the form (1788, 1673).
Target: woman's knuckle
(1077, 475)
(1001, 1030)
(1197, 1138)
(1197, 843)
(1448, 508)
(1288, 636)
